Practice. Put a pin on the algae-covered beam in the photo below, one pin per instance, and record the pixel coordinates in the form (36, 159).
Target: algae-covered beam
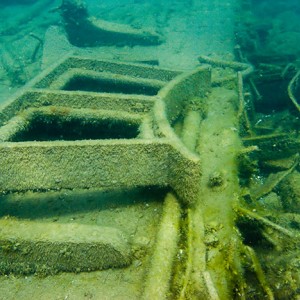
(46, 248)
(274, 146)
(105, 164)
(86, 31)
(259, 273)
(264, 221)
(158, 281)
(218, 145)
(272, 181)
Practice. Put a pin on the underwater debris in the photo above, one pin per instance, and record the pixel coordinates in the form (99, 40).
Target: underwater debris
(38, 46)
(259, 272)
(290, 192)
(205, 256)
(158, 280)
(15, 70)
(254, 216)
(244, 68)
(278, 164)
(28, 247)
(243, 111)
(252, 84)
(86, 31)
(270, 241)
(274, 146)
(272, 181)
(291, 89)
(139, 154)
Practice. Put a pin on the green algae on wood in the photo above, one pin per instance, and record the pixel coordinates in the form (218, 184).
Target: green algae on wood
(48, 248)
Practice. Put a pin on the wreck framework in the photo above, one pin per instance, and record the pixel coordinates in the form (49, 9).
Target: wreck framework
(90, 124)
